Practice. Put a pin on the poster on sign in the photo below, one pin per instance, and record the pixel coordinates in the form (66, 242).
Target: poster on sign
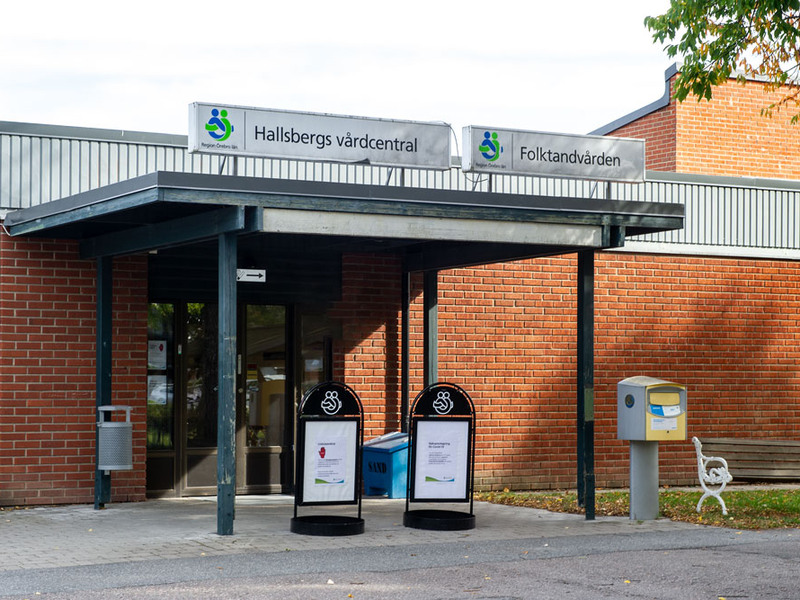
(329, 469)
(441, 464)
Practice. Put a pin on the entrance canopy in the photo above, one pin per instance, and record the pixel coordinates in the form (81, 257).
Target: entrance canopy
(431, 229)
(428, 229)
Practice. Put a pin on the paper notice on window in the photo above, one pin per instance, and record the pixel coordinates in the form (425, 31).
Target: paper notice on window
(157, 354)
(442, 449)
(158, 391)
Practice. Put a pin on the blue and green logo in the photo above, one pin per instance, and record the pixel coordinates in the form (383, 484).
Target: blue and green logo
(490, 149)
(218, 126)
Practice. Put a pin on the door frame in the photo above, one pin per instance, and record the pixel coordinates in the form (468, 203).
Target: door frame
(294, 357)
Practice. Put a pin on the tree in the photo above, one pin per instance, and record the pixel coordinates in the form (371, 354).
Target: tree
(749, 39)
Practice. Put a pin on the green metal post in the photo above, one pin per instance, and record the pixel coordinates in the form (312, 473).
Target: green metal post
(102, 480)
(226, 411)
(585, 387)
(431, 327)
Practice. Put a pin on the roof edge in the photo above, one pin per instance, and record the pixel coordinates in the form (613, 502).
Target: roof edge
(732, 181)
(645, 110)
(18, 216)
(217, 184)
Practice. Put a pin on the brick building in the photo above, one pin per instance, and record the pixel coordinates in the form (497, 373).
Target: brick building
(726, 136)
(714, 306)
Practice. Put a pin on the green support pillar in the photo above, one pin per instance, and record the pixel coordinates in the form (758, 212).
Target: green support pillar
(431, 327)
(585, 387)
(102, 480)
(226, 408)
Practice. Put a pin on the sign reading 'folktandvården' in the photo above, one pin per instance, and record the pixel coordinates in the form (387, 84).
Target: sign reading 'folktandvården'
(508, 152)
(235, 130)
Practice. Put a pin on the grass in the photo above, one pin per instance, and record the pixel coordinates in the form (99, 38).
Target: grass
(747, 509)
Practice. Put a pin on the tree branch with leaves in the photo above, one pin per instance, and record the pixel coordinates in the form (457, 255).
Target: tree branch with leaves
(745, 39)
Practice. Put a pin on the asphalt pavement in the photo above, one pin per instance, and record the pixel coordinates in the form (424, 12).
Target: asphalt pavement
(170, 549)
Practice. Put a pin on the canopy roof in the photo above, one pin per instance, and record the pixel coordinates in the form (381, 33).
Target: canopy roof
(431, 229)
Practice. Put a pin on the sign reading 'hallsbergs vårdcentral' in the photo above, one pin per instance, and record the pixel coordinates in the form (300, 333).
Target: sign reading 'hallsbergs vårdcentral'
(236, 130)
(509, 152)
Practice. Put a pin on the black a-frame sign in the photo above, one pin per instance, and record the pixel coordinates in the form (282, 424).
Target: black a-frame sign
(330, 429)
(441, 462)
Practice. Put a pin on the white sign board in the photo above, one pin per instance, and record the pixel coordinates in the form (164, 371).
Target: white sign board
(236, 130)
(329, 469)
(510, 152)
(440, 467)
(251, 275)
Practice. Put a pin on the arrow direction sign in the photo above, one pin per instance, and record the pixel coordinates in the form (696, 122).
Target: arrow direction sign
(251, 275)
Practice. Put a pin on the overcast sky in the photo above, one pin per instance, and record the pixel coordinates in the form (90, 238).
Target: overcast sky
(568, 66)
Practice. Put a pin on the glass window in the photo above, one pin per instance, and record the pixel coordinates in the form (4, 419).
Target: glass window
(160, 384)
(265, 404)
(200, 358)
(314, 330)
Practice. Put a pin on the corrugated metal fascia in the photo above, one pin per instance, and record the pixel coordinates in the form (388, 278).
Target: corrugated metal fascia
(90, 134)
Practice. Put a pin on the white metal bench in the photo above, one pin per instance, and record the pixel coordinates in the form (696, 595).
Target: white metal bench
(716, 476)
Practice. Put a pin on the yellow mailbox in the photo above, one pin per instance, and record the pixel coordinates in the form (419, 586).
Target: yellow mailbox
(650, 409)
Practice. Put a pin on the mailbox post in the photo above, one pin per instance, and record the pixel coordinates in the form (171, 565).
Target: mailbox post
(649, 410)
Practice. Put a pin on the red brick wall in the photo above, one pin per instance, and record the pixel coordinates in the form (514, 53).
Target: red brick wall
(47, 371)
(367, 356)
(727, 135)
(726, 328)
(507, 335)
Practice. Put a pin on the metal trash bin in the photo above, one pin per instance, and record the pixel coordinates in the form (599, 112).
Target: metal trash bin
(385, 465)
(114, 440)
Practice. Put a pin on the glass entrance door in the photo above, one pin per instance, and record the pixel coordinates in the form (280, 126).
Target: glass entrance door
(182, 400)
(161, 408)
(265, 424)
(198, 365)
